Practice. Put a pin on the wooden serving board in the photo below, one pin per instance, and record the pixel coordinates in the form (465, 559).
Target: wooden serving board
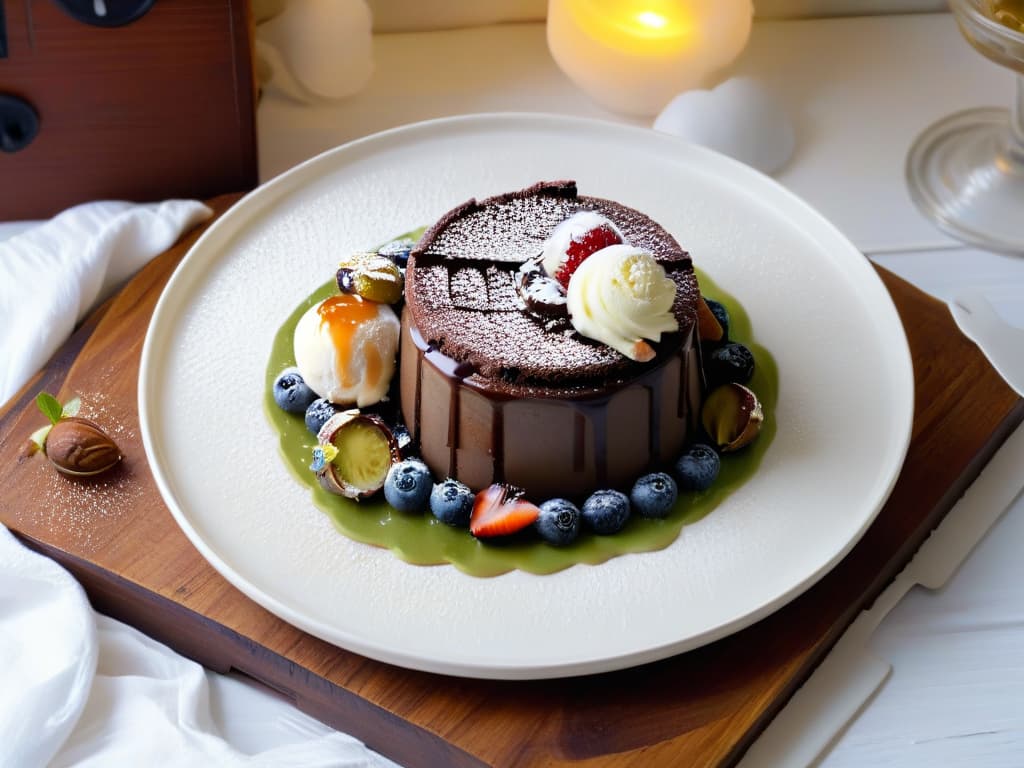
(702, 708)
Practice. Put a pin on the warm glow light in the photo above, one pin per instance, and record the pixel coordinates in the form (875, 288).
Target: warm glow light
(635, 55)
(640, 22)
(651, 19)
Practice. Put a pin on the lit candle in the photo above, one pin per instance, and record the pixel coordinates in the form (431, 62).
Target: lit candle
(633, 56)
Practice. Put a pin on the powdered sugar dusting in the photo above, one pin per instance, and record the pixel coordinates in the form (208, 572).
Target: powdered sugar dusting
(464, 298)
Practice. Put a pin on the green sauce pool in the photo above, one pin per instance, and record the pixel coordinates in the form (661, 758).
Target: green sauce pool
(423, 540)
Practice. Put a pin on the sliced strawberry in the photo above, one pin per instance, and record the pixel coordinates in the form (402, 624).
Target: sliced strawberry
(591, 241)
(498, 511)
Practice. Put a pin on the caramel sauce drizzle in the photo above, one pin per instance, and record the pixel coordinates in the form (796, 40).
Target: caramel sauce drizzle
(342, 315)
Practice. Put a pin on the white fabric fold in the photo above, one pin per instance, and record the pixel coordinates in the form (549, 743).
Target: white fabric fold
(53, 274)
(81, 689)
(47, 655)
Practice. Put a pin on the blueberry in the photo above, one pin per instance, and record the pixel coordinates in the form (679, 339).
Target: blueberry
(730, 363)
(559, 522)
(697, 468)
(451, 502)
(397, 251)
(318, 412)
(346, 279)
(291, 393)
(403, 438)
(606, 511)
(721, 315)
(654, 495)
(408, 486)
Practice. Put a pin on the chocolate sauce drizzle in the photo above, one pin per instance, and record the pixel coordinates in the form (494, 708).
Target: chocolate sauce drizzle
(592, 410)
(464, 303)
(498, 442)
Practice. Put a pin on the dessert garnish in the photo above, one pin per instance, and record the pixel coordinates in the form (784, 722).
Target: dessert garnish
(500, 510)
(558, 522)
(398, 250)
(345, 349)
(654, 495)
(721, 314)
(732, 416)
(574, 240)
(698, 467)
(406, 445)
(354, 455)
(75, 446)
(708, 327)
(318, 412)
(542, 295)
(292, 393)
(372, 276)
(729, 363)
(622, 297)
(606, 511)
(408, 486)
(451, 502)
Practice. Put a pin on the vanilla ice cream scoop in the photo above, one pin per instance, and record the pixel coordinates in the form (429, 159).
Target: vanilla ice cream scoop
(345, 349)
(621, 295)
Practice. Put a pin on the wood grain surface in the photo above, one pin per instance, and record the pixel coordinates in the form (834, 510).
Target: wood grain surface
(163, 107)
(702, 708)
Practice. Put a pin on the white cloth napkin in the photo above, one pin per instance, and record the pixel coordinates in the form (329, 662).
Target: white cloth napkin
(53, 274)
(47, 654)
(80, 689)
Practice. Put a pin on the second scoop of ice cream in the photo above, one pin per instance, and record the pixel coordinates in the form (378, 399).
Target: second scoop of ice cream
(620, 296)
(345, 349)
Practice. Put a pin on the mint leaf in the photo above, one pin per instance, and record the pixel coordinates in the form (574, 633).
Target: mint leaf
(49, 406)
(71, 407)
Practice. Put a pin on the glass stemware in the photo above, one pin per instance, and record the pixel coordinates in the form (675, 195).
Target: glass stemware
(966, 172)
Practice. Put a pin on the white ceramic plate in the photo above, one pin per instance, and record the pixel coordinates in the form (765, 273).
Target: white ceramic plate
(844, 414)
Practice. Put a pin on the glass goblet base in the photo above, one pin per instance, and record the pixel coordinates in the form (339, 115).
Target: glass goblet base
(963, 177)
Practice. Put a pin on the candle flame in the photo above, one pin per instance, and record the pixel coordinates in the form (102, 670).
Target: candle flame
(651, 19)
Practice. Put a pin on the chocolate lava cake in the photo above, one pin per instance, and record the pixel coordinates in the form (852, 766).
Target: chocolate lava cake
(493, 392)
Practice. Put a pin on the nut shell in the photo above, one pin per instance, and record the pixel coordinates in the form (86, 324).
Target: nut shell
(329, 477)
(80, 447)
(732, 416)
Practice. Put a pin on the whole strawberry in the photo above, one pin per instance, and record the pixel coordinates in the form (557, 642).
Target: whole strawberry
(580, 248)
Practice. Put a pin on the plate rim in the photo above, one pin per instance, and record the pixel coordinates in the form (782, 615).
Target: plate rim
(265, 195)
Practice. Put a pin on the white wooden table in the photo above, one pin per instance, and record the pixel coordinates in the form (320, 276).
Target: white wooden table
(859, 90)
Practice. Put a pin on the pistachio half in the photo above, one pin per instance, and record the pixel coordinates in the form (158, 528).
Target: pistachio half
(354, 454)
(80, 447)
(732, 416)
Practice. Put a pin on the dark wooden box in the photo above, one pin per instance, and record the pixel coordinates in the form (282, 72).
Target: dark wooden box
(158, 107)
